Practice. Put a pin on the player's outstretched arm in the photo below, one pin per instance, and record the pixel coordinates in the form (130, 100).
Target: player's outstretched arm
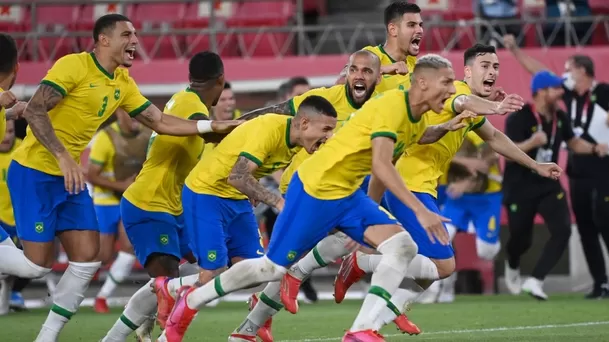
(36, 113)
(503, 145)
(281, 108)
(162, 123)
(436, 132)
(529, 63)
(511, 103)
(241, 177)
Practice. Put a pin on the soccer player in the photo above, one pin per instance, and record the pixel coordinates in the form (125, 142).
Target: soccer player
(46, 182)
(111, 174)
(152, 206)
(362, 77)
(10, 108)
(327, 184)
(420, 168)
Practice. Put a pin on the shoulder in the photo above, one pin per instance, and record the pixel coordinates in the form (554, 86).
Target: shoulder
(462, 88)
(75, 60)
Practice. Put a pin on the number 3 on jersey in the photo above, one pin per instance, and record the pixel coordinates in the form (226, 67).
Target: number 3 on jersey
(102, 110)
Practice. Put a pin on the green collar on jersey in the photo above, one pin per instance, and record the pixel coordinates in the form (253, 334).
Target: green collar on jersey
(287, 133)
(386, 54)
(194, 92)
(101, 68)
(409, 110)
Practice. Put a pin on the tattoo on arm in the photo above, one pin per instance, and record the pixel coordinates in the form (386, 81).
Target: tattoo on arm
(150, 115)
(242, 179)
(36, 113)
(433, 134)
(281, 108)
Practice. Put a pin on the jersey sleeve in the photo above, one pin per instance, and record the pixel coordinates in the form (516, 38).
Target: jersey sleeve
(133, 102)
(101, 149)
(257, 148)
(475, 139)
(461, 90)
(66, 74)
(386, 118)
(297, 100)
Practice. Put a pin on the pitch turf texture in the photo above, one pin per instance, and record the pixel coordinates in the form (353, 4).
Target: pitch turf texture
(479, 318)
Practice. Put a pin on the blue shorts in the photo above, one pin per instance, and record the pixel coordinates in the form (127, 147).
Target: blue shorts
(43, 207)
(220, 229)
(7, 232)
(154, 232)
(408, 219)
(306, 220)
(108, 218)
(364, 187)
(483, 210)
(441, 195)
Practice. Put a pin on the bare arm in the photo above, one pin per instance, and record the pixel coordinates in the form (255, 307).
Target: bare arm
(581, 146)
(280, 108)
(436, 132)
(529, 63)
(503, 145)
(475, 104)
(94, 176)
(162, 123)
(36, 113)
(242, 179)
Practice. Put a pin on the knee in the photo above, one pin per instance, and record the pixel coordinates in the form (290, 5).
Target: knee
(487, 251)
(445, 267)
(269, 270)
(401, 245)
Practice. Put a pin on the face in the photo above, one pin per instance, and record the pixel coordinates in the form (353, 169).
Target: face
(225, 106)
(9, 137)
(315, 129)
(438, 86)
(573, 72)
(483, 73)
(363, 75)
(409, 33)
(121, 43)
(552, 96)
(299, 90)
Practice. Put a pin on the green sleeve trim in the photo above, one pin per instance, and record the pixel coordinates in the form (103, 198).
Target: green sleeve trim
(96, 162)
(479, 124)
(137, 111)
(197, 116)
(390, 135)
(452, 104)
(251, 158)
(292, 107)
(55, 86)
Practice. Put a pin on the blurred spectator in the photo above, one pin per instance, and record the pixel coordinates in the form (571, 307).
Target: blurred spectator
(497, 10)
(563, 9)
(226, 108)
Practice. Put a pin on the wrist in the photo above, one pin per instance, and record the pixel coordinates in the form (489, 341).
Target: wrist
(204, 126)
(594, 148)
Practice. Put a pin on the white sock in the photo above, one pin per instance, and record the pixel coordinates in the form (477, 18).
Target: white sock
(242, 275)
(118, 272)
(421, 267)
(5, 295)
(67, 298)
(173, 285)
(399, 301)
(268, 305)
(327, 250)
(140, 307)
(187, 269)
(367, 262)
(397, 252)
(448, 284)
(14, 262)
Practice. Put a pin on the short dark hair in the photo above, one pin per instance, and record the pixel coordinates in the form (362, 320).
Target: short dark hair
(583, 61)
(319, 105)
(107, 22)
(477, 50)
(205, 66)
(397, 9)
(297, 81)
(284, 90)
(227, 85)
(8, 53)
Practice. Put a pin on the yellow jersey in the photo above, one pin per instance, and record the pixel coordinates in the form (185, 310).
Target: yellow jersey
(339, 97)
(422, 165)
(2, 120)
(90, 96)
(169, 160)
(102, 154)
(493, 185)
(264, 140)
(6, 208)
(339, 167)
(389, 82)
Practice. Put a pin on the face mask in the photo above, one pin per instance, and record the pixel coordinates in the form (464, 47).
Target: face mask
(568, 80)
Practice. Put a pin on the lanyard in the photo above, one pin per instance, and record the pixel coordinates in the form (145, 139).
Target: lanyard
(540, 125)
(584, 118)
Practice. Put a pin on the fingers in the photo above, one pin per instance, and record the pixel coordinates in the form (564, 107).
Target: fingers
(431, 237)
(441, 235)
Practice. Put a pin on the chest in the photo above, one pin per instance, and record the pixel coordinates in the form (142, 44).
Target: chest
(389, 82)
(98, 96)
(407, 136)
(277, 160)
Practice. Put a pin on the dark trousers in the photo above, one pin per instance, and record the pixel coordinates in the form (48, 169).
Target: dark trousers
(590, 202)
(554, 209)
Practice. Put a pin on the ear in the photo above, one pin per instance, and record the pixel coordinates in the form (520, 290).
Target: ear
(379, 78)
(392, 29)
(467, 71)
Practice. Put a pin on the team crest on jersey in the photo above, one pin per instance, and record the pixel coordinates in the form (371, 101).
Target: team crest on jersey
(212, 255)
(291, 255)
(39, 227)
(164, 239)
(117, 94)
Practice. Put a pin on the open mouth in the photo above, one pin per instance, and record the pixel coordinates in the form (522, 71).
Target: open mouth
(130, 53)
(359, 89)
(316, 146)
(415, 43)
(488, 85)
(443, 101)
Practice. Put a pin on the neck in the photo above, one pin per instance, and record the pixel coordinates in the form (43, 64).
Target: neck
(204, 95)
(418, 105)
(392, 49)
(295, 138)
(106, 62)
(543, 109)
(5, 81)
(584, 85)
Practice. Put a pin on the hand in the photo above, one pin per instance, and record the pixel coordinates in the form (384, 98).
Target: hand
(397, 68)
(434, 225)
(459, 121)
(511, 103)
(457, 189)
(497, 95)
(7, 99)
(16, 111)
(254, 202)
(73, 174)
(509, 41)
(548, 170)
(601, 150)
(539, 139)
(225, 126)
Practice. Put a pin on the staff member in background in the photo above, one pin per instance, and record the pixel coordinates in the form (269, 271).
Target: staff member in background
(539, 129)
(117, 155)
(586, 101)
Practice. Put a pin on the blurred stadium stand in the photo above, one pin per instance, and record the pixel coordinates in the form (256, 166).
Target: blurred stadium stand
(264, 43)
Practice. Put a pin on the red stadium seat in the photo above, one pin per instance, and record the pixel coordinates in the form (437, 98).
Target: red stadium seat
(197, 17)
(161, 16)
(11, 21)
(90, 13)
(55, 19)
(599, 7)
